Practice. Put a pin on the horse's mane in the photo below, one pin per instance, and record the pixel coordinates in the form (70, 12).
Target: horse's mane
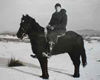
(36, 25)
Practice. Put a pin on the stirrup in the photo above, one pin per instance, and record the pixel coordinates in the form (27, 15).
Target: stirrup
(51, 42)
(46, 55)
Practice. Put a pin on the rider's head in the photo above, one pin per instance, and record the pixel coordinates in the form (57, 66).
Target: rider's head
(58, 7)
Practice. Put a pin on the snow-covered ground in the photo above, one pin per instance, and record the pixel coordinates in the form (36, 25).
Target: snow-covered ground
(60, 66)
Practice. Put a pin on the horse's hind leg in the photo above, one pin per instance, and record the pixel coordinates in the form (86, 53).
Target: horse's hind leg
(76, 61)
(44, 66)
(76, 68)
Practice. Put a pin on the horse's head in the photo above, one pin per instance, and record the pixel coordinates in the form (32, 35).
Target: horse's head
(25, 26)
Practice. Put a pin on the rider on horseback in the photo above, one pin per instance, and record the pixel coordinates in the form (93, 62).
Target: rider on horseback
(55, 28)
(57, 25)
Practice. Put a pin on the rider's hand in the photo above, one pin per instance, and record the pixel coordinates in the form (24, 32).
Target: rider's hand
(52, 28)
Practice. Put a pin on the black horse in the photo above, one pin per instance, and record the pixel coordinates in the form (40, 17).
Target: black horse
(71, 42)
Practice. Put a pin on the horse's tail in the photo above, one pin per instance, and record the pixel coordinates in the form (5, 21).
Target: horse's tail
(83, 55)
(84, 59)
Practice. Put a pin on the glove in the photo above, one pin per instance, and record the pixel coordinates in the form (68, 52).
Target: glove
(50, 27)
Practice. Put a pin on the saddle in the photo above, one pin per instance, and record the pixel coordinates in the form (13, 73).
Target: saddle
(63, 34)
(58, 35)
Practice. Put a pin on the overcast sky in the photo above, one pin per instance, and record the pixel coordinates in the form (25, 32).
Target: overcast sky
(82, 14)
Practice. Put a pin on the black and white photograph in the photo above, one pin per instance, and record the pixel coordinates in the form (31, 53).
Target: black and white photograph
(49, 39)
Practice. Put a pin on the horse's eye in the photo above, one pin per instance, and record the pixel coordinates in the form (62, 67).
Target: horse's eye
(22, 20)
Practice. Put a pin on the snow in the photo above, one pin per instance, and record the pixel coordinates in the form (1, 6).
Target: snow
(60, 66)
(8, 36)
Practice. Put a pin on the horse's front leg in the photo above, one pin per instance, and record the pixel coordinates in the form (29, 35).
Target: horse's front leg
(44, 67)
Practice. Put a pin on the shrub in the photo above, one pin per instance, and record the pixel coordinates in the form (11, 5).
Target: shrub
(13, 63)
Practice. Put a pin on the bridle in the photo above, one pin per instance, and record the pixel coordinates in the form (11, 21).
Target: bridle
(23, 34)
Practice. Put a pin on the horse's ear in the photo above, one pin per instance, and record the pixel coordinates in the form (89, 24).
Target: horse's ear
(23, 15)
(27, 15)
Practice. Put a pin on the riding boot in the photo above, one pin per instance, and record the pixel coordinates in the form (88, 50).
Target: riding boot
(51, 41)
(47, 49)
(48, 54)
(52, 44)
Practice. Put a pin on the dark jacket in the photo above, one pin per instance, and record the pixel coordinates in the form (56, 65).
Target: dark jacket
(59, 20)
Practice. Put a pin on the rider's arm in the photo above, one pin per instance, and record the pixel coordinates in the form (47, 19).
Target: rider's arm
(63, 22)
(51, 23)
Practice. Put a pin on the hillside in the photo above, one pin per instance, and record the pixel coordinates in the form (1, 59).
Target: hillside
(11, 37)
(89, 32)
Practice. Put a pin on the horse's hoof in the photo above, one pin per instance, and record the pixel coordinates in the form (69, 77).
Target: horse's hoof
(44, 77)
(84, 64)
(76, 76)
(33, 56)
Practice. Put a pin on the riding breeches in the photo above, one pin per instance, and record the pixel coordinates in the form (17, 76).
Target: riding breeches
(53, 35)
